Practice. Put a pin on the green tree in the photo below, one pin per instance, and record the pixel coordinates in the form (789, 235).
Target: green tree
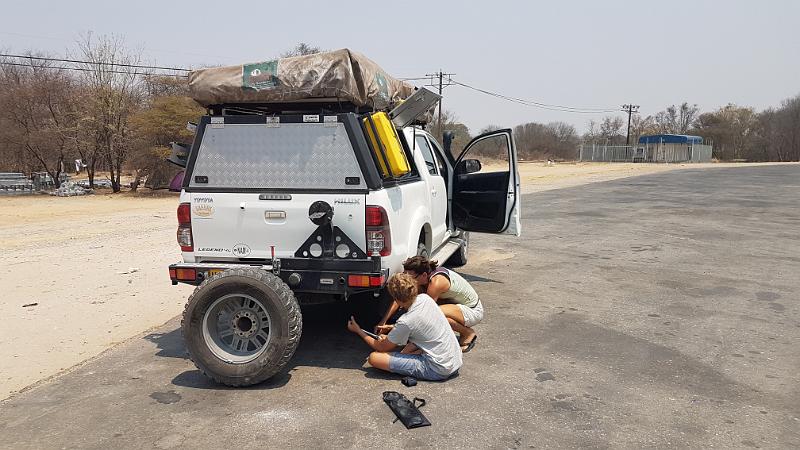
(161, 122)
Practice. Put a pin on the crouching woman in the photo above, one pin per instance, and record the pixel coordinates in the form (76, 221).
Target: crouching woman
(430, 349)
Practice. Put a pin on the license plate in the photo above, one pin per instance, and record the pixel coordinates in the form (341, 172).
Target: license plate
(212, 272)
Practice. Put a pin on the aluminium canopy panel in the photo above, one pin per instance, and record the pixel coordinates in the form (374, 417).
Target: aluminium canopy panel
(343, 75)
(292, 156)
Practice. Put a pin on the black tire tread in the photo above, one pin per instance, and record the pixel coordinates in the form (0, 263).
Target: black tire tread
(289, 301)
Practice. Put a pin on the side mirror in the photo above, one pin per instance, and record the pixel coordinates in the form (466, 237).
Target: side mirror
(468, 166)
(447, 141)
(179, 155)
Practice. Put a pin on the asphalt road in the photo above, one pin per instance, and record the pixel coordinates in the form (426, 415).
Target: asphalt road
(656, 311)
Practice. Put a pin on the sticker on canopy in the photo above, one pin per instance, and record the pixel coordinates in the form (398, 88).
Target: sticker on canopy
(260, 76)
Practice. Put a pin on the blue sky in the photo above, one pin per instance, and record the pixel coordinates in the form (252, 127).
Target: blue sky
(576, 53)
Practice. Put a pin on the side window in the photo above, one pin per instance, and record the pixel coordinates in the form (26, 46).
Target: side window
(427, 155)
(439, 156)
(492, 151)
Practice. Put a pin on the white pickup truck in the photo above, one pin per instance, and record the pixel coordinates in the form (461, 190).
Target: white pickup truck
(280, 210)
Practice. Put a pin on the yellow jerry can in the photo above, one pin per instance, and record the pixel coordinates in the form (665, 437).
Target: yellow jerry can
(387, 134)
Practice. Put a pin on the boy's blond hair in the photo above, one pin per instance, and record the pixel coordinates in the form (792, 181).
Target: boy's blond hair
(402, 287)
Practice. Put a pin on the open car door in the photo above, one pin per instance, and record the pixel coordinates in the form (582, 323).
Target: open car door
(486, 199)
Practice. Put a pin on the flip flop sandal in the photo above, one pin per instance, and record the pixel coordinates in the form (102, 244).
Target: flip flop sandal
(471, 345)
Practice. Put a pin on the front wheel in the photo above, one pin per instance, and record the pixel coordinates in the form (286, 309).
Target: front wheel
(242, 326)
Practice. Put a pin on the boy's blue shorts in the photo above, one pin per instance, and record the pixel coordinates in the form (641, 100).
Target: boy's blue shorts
(418, 366)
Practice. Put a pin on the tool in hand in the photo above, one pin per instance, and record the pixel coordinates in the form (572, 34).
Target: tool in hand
(372, 335)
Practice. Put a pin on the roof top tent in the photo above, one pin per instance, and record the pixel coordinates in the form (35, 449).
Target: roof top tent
(336, 81)
(670, 139)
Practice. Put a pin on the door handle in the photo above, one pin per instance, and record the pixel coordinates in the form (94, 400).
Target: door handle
(433, 192)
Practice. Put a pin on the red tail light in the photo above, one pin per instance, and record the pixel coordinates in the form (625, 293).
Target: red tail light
(184, 214)
(374, 216)
(379, 239)
(377, 281)
(185, 227)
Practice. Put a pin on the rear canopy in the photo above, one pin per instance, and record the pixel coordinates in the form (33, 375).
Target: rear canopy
(339, 75)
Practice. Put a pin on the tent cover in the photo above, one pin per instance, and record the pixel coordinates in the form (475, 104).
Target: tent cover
(340, 75)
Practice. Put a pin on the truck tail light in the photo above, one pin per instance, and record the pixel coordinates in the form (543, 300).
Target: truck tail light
(185, 227)
(379, 239)
(365, 280)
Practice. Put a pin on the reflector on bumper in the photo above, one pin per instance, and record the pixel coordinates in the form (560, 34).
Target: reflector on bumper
(365, 280)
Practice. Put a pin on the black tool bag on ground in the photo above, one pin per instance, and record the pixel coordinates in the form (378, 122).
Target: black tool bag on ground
(407, 411)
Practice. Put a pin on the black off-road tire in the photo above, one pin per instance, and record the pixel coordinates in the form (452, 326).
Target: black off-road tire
(285, 330)
(459, 258)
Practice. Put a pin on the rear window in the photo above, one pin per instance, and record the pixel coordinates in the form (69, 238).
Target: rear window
(291, 156)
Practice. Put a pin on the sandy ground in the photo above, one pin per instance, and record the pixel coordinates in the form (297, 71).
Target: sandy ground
(96, 268)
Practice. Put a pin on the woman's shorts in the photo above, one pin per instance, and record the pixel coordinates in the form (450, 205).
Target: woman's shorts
(472, 316)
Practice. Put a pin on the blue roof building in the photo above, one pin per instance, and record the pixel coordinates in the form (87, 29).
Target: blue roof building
(670, 139)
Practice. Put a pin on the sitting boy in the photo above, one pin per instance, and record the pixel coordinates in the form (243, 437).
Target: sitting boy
(431, 349)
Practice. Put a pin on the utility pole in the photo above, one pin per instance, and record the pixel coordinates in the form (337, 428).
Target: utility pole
(630, 109)
(441, 85)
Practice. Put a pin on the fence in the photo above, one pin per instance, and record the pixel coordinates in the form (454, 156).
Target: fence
(659, 153)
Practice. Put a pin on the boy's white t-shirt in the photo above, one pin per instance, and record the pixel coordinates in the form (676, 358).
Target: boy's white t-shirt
(425, 326)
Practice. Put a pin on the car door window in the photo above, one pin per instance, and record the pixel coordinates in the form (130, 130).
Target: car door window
(439, 155)
(427, 155)
(486, 194)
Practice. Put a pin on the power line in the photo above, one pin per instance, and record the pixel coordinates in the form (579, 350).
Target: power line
(75, 61)
(84, 69)
(535, 104)
(440, 75)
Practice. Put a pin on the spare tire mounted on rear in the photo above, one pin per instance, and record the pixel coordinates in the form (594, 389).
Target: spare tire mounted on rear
(242, 326)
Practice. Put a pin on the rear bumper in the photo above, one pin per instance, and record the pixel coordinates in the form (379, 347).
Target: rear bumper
(304, 275)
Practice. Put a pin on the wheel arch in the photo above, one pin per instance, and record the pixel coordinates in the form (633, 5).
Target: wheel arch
(419, 225)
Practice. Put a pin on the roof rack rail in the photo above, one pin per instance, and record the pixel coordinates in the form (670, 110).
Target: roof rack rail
(315, 107)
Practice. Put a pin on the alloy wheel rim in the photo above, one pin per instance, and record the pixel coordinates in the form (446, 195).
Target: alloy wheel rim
(237, 328)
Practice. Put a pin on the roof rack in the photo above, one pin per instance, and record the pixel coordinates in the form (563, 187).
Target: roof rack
(317, 106)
